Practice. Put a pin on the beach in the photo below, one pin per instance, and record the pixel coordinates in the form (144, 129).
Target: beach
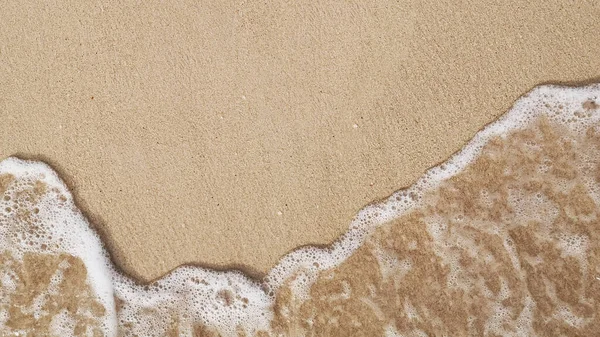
(227, 134)
(299, 168)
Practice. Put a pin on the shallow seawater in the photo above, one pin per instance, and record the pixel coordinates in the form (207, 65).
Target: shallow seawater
(503, 239)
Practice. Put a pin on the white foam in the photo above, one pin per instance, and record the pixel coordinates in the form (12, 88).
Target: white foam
(62, 324)
(63, 229)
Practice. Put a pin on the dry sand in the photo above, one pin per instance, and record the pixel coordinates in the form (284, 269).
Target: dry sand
(228, 133)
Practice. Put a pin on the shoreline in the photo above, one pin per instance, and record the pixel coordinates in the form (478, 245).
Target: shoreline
(256, 276)
(246, 130)
(522, 186)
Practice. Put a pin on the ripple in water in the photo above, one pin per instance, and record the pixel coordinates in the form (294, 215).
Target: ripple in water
(503, 239)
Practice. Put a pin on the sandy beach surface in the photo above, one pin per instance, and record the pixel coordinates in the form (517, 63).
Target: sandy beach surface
(227, 133)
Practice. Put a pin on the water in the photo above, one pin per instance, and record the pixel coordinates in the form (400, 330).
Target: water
(501, 239)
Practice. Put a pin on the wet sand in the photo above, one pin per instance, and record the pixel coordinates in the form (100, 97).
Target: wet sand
(502, 239)
(228, 134)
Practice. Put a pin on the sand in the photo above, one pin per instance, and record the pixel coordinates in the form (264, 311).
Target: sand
(226, 134)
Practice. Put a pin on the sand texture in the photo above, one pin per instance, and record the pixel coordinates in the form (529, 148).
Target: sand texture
(228, 133)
